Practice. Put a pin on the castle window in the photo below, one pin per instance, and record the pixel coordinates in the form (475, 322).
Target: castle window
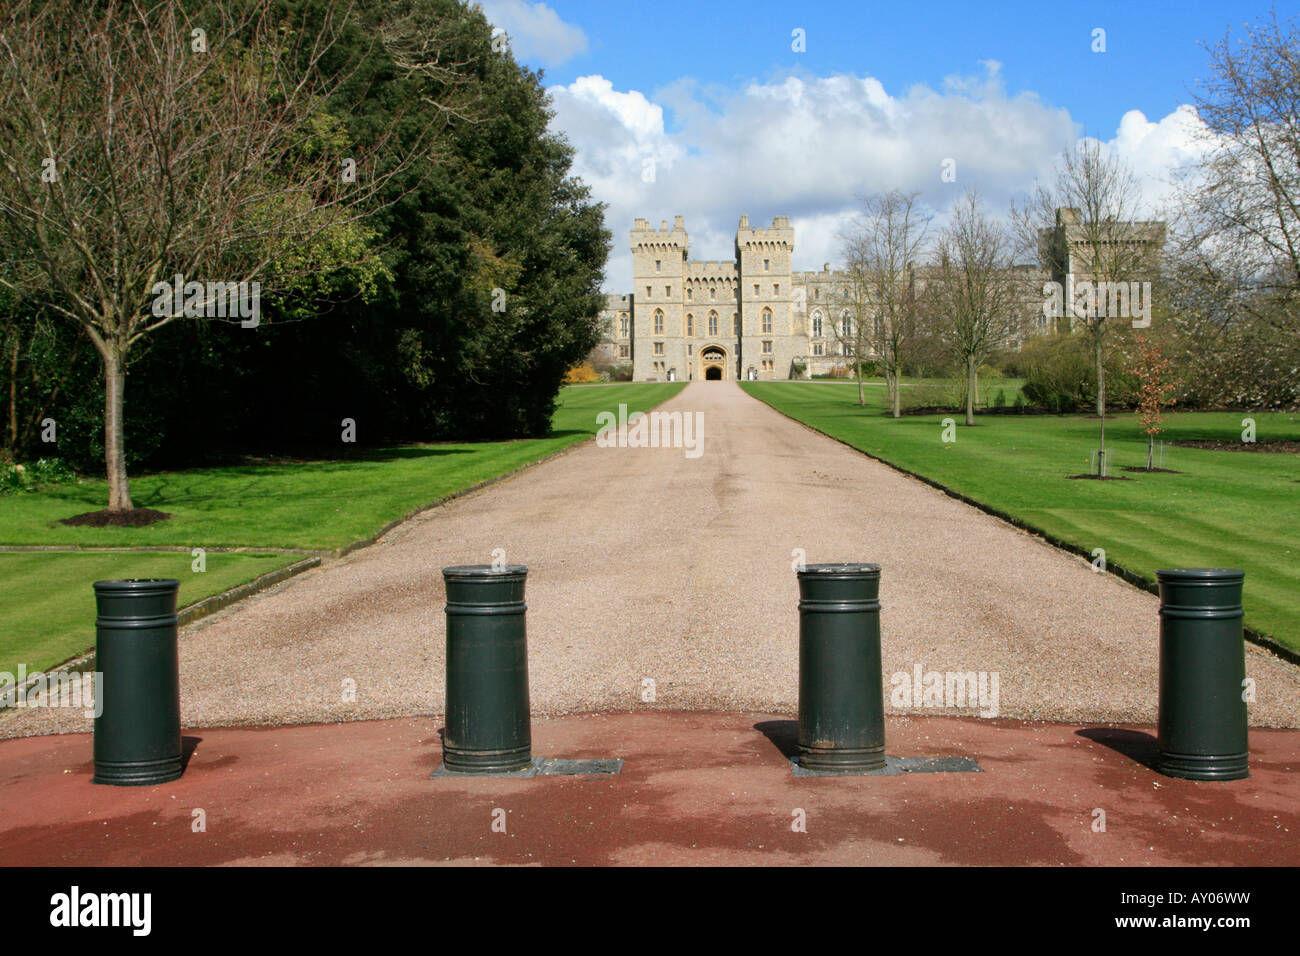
(668, 291)
(846, 323)
(624, 351)
(713, 323)
(648, 292)
(817, 293)
(659, 322)
(713, 293)
(767, 346)
(690, 349)
(735, 324)
(767, 264)
(817, 348)
(755, 288)
(767, 321)
(623, 325)
(658, 265)
(690, 325)
(776, 288)
(690, 293)
(659, 348)
(817, 324)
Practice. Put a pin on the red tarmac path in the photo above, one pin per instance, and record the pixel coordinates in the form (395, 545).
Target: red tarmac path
(696, 788)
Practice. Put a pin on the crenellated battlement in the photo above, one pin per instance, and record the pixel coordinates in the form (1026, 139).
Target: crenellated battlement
(715, 269)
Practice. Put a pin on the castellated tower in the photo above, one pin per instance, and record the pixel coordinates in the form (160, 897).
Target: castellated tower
(659, 271)
(769, 340)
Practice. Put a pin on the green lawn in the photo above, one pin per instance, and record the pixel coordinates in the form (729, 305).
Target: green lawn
(48, 612)
(316, 505)
(46, 602)
(1225, 509)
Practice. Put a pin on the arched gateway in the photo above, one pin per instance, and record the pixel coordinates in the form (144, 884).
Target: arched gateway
(713, 360)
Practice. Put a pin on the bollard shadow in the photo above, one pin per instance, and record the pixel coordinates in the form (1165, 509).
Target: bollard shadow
(1137, 745)
(188, 746)
(784, 735)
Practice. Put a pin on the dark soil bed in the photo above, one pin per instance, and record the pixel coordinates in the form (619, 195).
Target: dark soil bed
(1282, 445)
(1101, 477)
(135, 518)
(1163, 471)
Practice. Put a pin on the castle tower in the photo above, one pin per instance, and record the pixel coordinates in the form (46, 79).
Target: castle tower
(767, 345)
(659, 271)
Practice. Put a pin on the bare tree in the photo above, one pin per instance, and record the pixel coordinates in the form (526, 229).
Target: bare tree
(1243, 200)
(1093, 239)
(147, 142)
(880, 247)
(850, 325)
(1234, 276)
(974, 293)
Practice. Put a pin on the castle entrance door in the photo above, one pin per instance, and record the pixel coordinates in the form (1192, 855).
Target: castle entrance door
(713, 358)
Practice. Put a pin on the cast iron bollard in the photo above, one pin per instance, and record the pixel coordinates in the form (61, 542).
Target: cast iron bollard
(138, 730)
(488, 728)
(1202, 725)
(841, 695)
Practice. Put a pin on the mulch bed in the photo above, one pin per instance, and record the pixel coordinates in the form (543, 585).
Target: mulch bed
(1283, 445)
(1163, 471)
(135, 518)
(1104, 477)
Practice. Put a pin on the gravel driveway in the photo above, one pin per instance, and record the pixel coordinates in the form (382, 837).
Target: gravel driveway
(648, 564)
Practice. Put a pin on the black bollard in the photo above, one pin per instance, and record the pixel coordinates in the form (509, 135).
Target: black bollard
(138, 730)
(488, 726)
(841, 693)
(1202, 724)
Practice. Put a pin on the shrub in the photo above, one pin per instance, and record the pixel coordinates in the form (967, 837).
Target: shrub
(580, 374)
(46, 471)
(1058, 371)
(1000, 400)
(13, 479)
(51, 471)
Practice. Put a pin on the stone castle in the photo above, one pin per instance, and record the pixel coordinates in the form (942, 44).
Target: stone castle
(751, 317)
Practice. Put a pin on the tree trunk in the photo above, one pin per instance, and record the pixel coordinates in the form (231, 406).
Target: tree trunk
(1151, 450)
(119, 489)
(13, 402)
(1101, 377)
(898, 390)
(970, 390)
(862, 398)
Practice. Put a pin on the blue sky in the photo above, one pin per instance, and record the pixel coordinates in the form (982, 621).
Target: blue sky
(1152, 56)
(733, 120)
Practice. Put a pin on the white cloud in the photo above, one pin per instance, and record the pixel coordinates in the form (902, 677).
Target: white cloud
(535, 31)
(808, 146)
(1156, 151)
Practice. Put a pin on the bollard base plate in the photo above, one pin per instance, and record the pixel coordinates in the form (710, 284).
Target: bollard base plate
(897, 765)
(548, 767)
